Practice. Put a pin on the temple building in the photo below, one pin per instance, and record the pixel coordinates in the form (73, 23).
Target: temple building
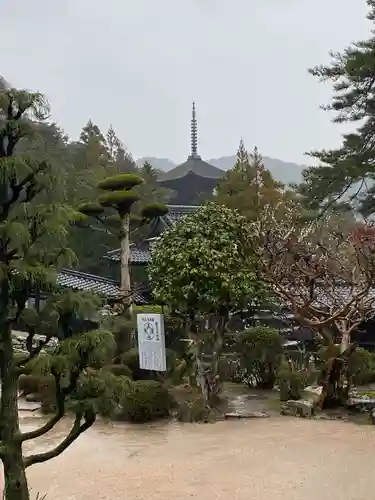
(194, 180)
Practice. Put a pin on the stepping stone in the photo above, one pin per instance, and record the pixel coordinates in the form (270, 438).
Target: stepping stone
(243, 414)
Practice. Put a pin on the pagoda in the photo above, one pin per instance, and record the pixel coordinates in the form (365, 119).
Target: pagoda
(194, 180)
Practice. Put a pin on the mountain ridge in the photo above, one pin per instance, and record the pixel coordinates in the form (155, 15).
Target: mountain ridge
(282, 171)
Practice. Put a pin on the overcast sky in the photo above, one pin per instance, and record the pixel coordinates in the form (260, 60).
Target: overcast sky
(139, 64)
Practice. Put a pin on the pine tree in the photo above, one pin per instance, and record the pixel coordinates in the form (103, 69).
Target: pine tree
(347, 173)
(33, 245)
(114, 208)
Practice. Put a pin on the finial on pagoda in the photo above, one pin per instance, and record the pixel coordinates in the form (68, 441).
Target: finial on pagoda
(194, 134)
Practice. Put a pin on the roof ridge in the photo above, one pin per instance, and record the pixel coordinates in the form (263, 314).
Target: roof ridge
(81, 274)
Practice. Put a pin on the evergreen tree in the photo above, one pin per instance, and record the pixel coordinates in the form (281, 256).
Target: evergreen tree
(249, 187)
(120, 160)
(119, 196)
(33, 245)
(242, 155)
(347, 173)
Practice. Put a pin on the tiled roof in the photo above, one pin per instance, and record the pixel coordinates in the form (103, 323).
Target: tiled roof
(141, 254)
(177, 212)
(195, 165)
(105, 287)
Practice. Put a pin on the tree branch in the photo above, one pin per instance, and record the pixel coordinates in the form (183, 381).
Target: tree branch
(75, 432)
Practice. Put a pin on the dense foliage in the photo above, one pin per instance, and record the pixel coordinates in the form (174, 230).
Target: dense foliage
(202, 269)
(260, 349)
(249, 187)
(346, 173)
(35, 222)
(203, 263)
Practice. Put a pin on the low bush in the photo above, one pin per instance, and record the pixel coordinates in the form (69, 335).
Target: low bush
(362, 367)
(260, 349)
(145, 400)
(292, 383)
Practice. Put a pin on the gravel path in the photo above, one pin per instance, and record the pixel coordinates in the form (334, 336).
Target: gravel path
(281, 458)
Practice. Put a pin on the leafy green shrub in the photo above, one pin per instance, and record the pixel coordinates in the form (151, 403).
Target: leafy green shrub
(292, 383)
(260, 349)
(120, 370)
(361, 367)
(145, 400)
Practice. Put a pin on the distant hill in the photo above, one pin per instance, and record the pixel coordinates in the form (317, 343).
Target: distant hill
(283, 171)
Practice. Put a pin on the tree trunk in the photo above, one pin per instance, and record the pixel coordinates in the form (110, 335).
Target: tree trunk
(345, 342)
(125, 283)
(14, 470)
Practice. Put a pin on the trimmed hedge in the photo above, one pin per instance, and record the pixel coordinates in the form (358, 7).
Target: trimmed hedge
(292, 383)
(260, 350)
(146, 400)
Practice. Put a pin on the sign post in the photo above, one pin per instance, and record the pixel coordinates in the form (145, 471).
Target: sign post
(151, 342)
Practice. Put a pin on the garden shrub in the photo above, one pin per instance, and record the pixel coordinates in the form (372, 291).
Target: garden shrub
(292, 383)
(144, 401)
(260, 349)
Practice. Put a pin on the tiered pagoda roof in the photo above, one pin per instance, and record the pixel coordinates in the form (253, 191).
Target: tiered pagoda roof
(194, 177)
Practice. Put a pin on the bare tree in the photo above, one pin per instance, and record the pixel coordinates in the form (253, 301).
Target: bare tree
(324, 271)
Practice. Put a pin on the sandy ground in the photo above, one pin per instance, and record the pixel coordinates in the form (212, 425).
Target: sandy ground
(260, 459)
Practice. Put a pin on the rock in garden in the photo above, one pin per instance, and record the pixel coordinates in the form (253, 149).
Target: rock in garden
(363, 403)
(298, 408)
(250, 414)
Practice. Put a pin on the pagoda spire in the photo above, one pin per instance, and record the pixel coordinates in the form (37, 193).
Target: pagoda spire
(194, 134)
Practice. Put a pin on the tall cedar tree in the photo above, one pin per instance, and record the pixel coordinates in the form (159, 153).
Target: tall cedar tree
(249, 187)
(347, 173)
(33, 244)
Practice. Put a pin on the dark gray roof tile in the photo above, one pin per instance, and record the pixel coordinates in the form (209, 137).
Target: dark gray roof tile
(105, 287)
(195, 165)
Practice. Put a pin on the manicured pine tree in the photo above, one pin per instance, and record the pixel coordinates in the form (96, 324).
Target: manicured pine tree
(115, 207)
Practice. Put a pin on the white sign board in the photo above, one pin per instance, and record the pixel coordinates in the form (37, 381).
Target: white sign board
(151, 342)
